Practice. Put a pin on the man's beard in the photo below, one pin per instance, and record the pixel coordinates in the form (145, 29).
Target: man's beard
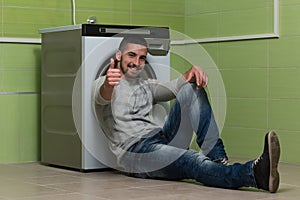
(130, 65)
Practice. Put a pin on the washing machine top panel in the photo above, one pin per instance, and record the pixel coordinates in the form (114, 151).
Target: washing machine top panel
(158, 38)
(121, 30)
(106, 30)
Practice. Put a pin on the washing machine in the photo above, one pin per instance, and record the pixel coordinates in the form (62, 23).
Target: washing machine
(72, 58)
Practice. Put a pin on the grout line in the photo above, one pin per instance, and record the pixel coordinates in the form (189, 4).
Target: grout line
(268, 85)
(153, 186)
(228, 11)
(19, 129)
(298, 186)
(261, 98)
(2, 20)
(262, 129)
(130, 11)
(18, 93)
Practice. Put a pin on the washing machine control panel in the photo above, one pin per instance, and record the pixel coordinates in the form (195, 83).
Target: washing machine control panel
(158, 38)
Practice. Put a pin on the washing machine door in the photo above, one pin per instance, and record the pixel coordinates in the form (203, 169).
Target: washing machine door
(97, 53)
(160, 110)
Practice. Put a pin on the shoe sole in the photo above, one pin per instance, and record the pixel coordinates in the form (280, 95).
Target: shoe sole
(274, 154)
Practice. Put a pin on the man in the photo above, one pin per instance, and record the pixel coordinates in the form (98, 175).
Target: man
(124, 102)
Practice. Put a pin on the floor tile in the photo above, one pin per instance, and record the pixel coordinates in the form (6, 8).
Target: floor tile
(34, 181)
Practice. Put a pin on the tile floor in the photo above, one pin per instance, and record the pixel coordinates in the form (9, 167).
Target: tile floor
(34, 181)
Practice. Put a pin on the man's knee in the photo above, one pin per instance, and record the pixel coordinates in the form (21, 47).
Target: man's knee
(190, 92)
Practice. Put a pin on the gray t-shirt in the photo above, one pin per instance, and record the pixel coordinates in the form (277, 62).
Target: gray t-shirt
(129, 116)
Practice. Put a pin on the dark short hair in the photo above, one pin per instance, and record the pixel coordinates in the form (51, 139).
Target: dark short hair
(134, 39)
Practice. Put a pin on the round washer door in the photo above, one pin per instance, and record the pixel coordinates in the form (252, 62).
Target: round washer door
(96, 61)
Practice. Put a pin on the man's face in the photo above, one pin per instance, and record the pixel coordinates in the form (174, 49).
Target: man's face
(133, 60)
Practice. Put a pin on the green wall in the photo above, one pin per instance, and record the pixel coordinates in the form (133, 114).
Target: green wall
(20, 63)
(260, 76)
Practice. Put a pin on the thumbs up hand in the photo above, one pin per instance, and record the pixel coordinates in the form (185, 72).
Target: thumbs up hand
(113, 75)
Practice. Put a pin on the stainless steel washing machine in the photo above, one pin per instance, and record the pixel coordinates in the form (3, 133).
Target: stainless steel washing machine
(72, 58)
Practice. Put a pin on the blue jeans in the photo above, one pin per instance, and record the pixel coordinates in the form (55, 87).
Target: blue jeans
(165, 155)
